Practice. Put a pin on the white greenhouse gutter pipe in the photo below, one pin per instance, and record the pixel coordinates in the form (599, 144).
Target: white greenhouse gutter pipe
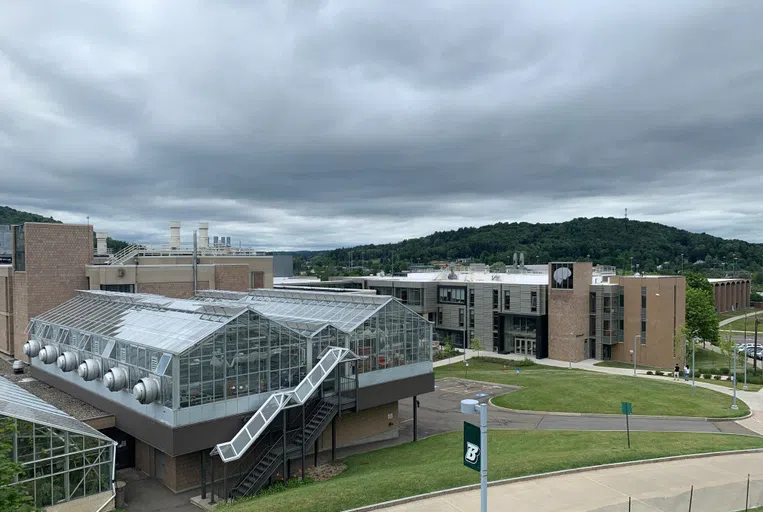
(113, 497)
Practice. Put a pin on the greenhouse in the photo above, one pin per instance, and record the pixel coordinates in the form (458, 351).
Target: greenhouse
(62, 459)
(186, 361)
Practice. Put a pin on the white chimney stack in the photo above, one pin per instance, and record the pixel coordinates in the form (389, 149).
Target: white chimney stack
(100, 243)
(203, 235)
(174, 234)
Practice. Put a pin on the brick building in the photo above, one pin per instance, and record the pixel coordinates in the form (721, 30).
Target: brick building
(563, 310)
(731, 294)
(45, 264)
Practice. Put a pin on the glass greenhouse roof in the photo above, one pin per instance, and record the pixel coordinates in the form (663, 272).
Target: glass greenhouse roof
(176, 325)
(344, 311)
(16, 402)
(169, 325)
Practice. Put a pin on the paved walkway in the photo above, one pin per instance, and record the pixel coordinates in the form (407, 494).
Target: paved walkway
(719, 482)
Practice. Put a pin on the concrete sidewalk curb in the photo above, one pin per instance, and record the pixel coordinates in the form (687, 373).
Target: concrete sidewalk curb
(444, 492)
(603, 415)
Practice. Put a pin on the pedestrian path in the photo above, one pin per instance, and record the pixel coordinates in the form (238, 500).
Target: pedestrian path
(719, 485)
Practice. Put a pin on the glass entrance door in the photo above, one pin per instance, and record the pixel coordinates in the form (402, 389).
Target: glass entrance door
(524, 346)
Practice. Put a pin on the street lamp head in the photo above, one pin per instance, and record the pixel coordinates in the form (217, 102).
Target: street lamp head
(469, 406)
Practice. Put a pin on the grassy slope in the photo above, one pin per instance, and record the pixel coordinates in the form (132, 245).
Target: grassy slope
(435, 463)
(738, 325)
(563, 390)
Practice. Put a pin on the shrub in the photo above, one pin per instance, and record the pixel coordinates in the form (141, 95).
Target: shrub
(730, 378)
(717, 377)
(706, 376)
(659, 372)
(723, 371)
(649, 372)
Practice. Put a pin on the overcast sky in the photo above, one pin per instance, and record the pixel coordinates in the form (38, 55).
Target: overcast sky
(313, 124)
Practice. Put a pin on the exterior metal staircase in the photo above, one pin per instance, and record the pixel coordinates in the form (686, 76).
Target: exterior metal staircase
(329, 359)
(126, 254)
(315, 421)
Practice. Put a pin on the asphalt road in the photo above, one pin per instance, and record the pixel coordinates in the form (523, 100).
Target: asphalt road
(439, 412)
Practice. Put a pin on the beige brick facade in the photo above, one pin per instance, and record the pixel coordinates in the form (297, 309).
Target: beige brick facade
(568, 315)
(55, 259)
(231, 277)
(6, 309)
(665, 315)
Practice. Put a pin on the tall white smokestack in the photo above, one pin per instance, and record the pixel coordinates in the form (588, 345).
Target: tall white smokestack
(203, 235)
(100, 243)
(174, 234)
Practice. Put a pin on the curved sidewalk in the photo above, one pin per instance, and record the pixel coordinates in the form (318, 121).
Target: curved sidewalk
(719, 485)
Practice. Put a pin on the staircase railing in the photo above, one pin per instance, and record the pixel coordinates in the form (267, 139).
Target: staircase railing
(125, 254)
(256, 425)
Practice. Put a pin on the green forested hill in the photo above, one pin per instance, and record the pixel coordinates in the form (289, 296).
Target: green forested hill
(607, 241)
(10, 215)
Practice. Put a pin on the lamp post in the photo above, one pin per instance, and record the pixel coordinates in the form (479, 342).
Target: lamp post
(471, 406)
(734, 405)
(693, 351)
(635, 352)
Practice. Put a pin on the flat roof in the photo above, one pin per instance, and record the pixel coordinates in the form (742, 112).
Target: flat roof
(727, 279)
(26, 398)
(465, 277)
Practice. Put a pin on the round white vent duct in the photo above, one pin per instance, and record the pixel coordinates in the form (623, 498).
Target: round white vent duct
(32, 348)
(90, 369)
(146, 390)
(115, 379)
(68, 361)
(49, 354)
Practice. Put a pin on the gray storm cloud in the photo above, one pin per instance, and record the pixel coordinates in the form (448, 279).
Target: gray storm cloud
(325, 123)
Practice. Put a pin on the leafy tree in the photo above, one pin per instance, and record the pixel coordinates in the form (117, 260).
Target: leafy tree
(726, 344)
(13, 498)
(476, 344)
(756, 297)
(698, 282)
(701, 317)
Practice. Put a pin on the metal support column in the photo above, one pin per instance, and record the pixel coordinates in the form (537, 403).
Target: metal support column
(212, 474)
(285, 462)
(203, 475)
(333, 439)
(337, 389)
(304, 441)
(225, 482)
(415, 419)
(315, 453)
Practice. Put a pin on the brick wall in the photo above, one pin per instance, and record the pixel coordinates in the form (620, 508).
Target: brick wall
(56, 255)
(6, 311)
(181, 290)
(366, 426)
(232, 277)
(144, 457)
(20, 315)
(568, 315)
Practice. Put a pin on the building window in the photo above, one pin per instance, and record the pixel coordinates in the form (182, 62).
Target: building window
(592, 303)
(606, 329)
(452, 295)
(607, 304)
(562, 276)
(430, 316)
(507, 300)
(622, 325)
(123, 288)
(461, 317)
(471, 297)
(643, 332)
(495, 299)
(622, 301)
(439, 316)
(643, 297)
(471, 318)
(495, 321)
(592, 325)
(19, 254)
(533, 301)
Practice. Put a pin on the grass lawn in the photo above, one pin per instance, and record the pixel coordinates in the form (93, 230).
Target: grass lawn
(436, 463)
(547, 388)
(626, 366)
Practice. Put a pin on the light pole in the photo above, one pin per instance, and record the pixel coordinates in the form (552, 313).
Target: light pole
(734, 405)
(693, 351)
(635, 352)
(471, 406)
